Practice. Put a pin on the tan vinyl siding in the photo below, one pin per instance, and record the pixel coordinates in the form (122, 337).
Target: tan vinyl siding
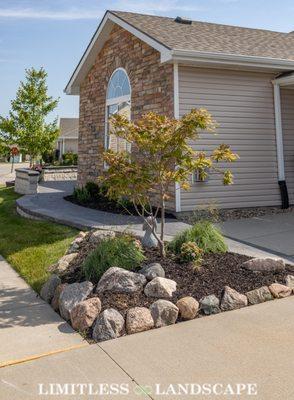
(242, 104)
(71, 145)
(287, 107)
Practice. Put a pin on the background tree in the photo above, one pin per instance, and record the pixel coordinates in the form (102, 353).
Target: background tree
(26, 125)
(160, 156)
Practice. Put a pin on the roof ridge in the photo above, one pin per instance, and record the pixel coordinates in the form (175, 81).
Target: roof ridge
(199, 22)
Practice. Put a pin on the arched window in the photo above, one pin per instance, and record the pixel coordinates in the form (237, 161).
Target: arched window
(118, 101)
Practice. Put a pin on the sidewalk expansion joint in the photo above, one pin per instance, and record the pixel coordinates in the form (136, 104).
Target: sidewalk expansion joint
(42, 355)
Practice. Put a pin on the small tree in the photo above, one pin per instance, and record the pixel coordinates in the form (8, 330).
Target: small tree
(26, 124)
(160, 157)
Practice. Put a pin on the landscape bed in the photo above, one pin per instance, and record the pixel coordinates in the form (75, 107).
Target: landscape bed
(222, 279)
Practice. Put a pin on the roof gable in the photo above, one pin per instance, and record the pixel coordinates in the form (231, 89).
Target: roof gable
(199, 42)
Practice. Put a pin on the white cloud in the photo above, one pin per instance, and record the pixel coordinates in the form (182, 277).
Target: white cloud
(29, 13)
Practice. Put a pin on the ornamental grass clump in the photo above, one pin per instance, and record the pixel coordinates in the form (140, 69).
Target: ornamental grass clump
(206, 235)
(122, 251)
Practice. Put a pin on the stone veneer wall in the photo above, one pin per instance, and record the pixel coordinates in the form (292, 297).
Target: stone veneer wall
(151, 85)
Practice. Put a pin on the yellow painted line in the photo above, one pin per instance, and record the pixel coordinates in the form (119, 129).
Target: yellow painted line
(49, 353)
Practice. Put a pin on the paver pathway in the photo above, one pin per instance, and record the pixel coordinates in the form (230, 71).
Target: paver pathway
(270, 236)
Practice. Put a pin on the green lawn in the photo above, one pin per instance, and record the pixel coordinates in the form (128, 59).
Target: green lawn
(30, 246)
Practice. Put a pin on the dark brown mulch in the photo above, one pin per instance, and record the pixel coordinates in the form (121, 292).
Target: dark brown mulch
(102, 203)
(216, 271)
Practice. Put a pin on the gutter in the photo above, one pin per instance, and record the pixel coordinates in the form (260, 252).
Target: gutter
(182, 55)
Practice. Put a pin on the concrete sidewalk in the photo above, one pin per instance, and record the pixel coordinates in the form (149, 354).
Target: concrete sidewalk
(5, 171)
(252, 345)
(270, 233)
(29, 327)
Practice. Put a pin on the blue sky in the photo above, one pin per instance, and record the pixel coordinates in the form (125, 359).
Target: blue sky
(54, 33)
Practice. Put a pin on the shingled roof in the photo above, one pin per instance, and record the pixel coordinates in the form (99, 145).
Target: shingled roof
(201, 43)
(209, 37)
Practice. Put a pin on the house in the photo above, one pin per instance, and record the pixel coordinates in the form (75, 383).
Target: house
(244, 77)
(68, 137)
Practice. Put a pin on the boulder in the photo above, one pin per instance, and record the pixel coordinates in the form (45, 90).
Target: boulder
(82, 235)
(161, 288)
(55, 300)
(280, 291)
(138, 319)
(164, 313)
(109, 325)
(231, 299)
(83, 314)
(259, 295)
(75, 245)
(265, 265)
(99, 235)
(71, 295)
(152, 271)
(290, 281)
(48, 289)
(188, 307)
(210, 305)
(63, 263)
(119, 280)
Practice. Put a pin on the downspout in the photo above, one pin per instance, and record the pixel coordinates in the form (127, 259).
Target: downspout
(280, 147)
(177, 116)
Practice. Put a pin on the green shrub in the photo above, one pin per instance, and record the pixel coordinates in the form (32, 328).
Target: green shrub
(206, 235)
(81, 195)
(122, 251)
(69, 158)
(93, 189)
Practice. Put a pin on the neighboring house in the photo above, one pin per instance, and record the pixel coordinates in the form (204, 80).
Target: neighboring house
(69, 136)
(242, 76)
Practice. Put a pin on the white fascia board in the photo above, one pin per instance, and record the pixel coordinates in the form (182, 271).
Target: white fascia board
(97, 43)
(232, 59)
(285, 80)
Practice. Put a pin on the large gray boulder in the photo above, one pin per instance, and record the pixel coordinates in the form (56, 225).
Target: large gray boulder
(83, 314)
(152, 271)
(71, 295)
(109, 325)
(56, 297)
(138, 319)
(63, 263)
(164, 313)
(210, 305)
(161, 288)
(48, 289)
(265, 265)
(232, 299)
(259, 295)
(119, 280)
(97, 236)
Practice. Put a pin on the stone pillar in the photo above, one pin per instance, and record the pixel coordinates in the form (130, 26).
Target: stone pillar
(26, 181)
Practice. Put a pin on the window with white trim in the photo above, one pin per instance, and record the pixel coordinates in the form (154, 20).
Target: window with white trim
(118, 101)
